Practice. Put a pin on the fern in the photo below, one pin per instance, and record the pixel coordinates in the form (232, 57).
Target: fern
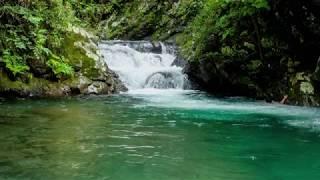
(219, 21)
(60, 67)
(14, 63)
(33, 30)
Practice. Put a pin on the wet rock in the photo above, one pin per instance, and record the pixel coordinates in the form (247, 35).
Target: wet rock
(92, 75)
(179, 61)
(84, 83)
(156, 48)
(316, 74)
(97, 88)
(40, 69)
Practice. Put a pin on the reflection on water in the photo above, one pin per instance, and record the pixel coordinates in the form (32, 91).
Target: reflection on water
(141, 135)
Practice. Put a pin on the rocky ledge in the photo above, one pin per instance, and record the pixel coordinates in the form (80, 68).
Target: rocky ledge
(92, 75)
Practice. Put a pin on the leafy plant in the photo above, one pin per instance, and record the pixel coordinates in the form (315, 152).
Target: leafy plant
(221, 24)
(14, 63)
(33, 30)
(59, 67)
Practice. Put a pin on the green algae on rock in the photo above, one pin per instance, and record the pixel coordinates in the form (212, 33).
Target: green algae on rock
(91, 75)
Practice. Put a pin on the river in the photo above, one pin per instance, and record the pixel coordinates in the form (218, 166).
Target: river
(166, 132)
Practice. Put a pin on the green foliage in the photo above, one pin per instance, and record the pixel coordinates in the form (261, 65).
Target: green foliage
(176, 16)
(120, 19)
(36, 29)
(32, 30)
(14, 62)
(59, 67)
(219, 24)
(92, 12)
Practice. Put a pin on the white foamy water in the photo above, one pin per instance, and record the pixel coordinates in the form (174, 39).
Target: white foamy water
(147, 70)
(139, 67)
(232, 109)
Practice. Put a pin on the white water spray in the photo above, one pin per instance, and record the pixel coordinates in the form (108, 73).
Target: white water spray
(143, 64)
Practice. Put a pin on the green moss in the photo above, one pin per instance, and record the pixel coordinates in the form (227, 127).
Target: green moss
(34, 84)
(77, 56)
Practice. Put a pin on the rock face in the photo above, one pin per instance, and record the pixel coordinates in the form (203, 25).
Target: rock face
(288, 62)
(92, 76)
(225, 80)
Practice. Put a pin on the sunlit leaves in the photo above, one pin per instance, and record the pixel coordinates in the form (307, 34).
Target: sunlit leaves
(33, 30)
(14, 62)
(59, 66)
(218, 23)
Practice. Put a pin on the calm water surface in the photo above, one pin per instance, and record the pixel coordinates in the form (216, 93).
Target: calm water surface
(155, 135)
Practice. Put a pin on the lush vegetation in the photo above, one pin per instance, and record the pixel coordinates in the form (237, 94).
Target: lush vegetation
(257, 48)
(261, 47)
(33, 31)
(222, 22)
(120, 19)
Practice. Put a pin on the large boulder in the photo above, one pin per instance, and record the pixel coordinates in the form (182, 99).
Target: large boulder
(92, 75)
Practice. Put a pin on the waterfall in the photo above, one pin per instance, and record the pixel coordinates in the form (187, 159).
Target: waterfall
(142, 64)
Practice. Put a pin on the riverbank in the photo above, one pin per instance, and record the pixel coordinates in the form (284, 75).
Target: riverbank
(91, 74)
(258, 49)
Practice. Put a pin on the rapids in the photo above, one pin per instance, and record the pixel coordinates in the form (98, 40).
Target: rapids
(144, 64)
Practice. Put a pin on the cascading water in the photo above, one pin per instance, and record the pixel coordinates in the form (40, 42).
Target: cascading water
(142, 64)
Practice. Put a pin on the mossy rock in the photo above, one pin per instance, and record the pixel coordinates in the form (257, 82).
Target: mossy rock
(78, 57)
(81, 52)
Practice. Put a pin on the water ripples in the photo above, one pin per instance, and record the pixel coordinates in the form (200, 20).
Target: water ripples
(146, 136)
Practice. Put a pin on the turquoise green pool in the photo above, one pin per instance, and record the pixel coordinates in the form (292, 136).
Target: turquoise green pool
(153, 135)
